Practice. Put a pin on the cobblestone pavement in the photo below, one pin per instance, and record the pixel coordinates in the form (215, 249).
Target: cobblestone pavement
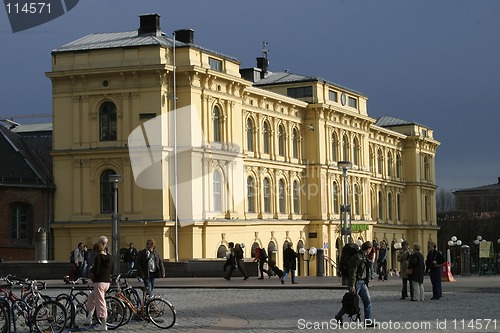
(470, 305)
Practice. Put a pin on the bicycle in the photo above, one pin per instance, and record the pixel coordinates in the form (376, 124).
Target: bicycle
(156, 310)
(38, 312)
(75, 301)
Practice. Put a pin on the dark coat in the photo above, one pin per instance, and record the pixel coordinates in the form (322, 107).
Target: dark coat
(436, 256)
(141, 263)
(103, 267)
(289, 258)
(416, 262)
(358, 268)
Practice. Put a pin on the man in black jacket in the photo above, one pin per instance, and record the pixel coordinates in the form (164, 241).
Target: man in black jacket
(149, 266)
(289, 263)
(357, 281)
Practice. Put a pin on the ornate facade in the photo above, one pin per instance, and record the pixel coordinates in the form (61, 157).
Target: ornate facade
(265, 169)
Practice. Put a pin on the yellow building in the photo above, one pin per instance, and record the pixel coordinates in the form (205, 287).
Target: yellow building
(259, 153)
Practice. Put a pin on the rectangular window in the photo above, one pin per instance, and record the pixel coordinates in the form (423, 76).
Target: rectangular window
(332, 95)
(19, 221)
(299, 92)
(353, 102)
(215, 64)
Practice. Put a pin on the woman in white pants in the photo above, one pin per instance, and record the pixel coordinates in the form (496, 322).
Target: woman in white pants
(416, 266)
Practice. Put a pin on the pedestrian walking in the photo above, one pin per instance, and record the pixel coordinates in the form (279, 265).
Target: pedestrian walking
(416, 268)
(358, 275)
(236, 261)
(149, 266)
(289, 263)
(372, 256)
(382, 262)
(261, 258)
(433, 264)
(130, 256)
(85, 265)
(101, 276)
(403, 259)
(78, 255)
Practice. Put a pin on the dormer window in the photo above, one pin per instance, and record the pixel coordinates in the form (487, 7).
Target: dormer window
(332, 96)
(299, 92)
(353, 102)
(215, 64)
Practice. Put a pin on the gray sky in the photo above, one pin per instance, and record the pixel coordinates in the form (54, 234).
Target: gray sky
(433, 62)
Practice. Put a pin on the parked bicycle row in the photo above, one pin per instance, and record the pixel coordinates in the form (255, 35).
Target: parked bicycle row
(25, 308)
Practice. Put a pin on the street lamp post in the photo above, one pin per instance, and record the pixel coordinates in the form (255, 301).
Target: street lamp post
(312, 254)
(346, 209)
(115, 179)
(451, 244)
(478, 241)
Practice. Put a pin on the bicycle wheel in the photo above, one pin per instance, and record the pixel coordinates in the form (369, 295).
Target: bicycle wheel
(160, 312)
(21, 319)
(4, 317)
(116, 312)
(50, 316)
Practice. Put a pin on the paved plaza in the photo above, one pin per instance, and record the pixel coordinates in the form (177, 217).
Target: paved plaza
(471, 304)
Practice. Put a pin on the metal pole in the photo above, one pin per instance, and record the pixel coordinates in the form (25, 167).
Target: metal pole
(116, 230)
(175, 158)
(344, 173)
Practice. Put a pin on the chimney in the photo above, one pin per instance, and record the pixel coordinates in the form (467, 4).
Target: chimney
(263, 64)
(150, 25)
(185, 36)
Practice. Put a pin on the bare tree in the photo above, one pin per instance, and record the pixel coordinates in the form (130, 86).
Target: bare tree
(445, 201)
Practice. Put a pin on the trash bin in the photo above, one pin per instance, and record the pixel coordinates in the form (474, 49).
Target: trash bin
(465, 259)
(41, 245)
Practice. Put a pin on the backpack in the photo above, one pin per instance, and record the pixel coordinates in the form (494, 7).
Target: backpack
(350, 304)
(72, 257)
(263, 254)
(348, 251)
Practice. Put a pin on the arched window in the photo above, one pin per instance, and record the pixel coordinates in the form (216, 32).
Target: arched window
(335, 198)
(380, 161)
(345, 147)
(281, 140)
(372, 159)
(398, 165)
(355, 151)
(398, 207)
(20, 221)
(217, 192)
(106, 192)
(107, 122)
(356, 199)
(427, 168)
(251, 194)
(217, 124)
(380, 206)
(296, 192)
(266, 135)
(426, 208)
(249, 134)
(221, 251)
(334, 144)
(389, 164)
(267, 196)
(389, 206)
(282, 196)
(295, 143)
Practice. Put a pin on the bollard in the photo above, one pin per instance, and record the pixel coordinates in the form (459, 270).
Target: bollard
(41, 245)
(320, 262)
